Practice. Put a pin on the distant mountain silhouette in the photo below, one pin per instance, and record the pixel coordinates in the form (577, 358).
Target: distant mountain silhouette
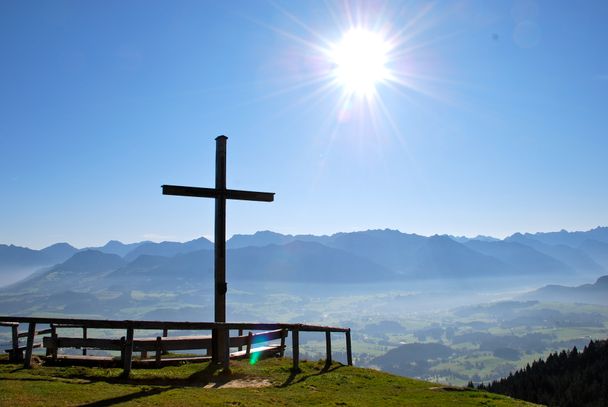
(82, 271)
(596, 293)
(573, 257)
(573, 239)
(262, 238)
(118, 248)
(59, 252)
(168, 249)
(440, 256)
(17, 263)
(304, 262)
(597, 250)
(15, 257)
(522, 259)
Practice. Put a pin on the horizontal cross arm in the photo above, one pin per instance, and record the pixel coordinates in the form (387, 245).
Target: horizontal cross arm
(215, 193)
(189, 191)
(250, 195)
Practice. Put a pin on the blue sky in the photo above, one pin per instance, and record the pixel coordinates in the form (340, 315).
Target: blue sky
(497, 124)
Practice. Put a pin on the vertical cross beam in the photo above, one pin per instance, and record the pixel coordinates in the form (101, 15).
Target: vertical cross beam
(31, 332)
(220, 230)
(221, 351)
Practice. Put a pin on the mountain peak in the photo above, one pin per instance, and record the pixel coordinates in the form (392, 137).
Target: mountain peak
(92, 261)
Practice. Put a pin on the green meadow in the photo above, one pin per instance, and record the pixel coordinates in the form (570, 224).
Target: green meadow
(268, 382)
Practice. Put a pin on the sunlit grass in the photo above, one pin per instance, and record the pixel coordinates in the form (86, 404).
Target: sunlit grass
(185, 385)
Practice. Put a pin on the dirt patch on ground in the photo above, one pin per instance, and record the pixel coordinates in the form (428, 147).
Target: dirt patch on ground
(238, 384)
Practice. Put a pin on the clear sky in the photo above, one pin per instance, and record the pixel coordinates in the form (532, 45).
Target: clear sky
(490, 117)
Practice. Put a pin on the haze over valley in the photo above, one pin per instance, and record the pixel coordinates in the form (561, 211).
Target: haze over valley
(444, 308)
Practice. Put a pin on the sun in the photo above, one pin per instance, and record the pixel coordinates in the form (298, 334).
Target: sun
(359, 60)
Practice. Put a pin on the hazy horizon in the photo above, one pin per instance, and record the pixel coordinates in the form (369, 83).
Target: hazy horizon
(229, 236)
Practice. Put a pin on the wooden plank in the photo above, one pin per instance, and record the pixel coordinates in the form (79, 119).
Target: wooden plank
(139, 345)
(36, 345)
(274, 350)
(179, 190)
(128, 359)
(249, 195)
(115, 324)
(174, 343)
(42, 332)
(31, 332)
(349, 352)
(9, 323)
(328, 347)
(199, 192)
(173, 325)
(258, 337)
(95, 343)
(295, 346)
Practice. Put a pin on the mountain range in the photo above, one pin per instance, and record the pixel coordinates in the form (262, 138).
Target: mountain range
(357, 257)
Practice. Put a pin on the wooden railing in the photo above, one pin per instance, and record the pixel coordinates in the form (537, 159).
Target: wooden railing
(129, 343)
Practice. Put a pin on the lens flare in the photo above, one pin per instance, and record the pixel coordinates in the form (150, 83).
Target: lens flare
(254, 357)
(360, 58)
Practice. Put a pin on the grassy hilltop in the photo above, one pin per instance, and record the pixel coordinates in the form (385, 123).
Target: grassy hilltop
(268, 382)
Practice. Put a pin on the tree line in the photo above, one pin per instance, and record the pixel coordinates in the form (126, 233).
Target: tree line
(567, 378)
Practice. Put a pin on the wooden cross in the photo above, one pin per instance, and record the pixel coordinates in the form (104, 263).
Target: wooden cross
(220, 348)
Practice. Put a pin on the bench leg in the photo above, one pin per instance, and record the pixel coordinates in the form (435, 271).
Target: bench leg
(31, 332)
(128, 359)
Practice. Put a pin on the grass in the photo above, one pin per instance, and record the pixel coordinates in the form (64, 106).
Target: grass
(184, 385)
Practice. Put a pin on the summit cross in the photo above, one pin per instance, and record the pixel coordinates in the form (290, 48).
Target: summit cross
(220, 348)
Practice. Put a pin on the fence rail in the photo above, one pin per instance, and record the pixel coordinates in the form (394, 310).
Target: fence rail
(129, 342)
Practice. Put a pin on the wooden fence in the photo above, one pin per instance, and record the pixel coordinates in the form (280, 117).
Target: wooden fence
(161, 345)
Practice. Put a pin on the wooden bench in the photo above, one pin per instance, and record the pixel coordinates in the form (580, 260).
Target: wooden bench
(163, 344)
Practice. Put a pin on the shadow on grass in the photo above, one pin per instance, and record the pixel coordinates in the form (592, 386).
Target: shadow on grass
(128, 397)
(326, 369)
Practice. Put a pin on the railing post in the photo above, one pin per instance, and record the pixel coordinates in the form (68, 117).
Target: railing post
(349, 351)
(295, 345)
(55, 341)
(158, 350)
(240, 334)
(31, 332)
(165, 334)
(16, 354)
(249, 341)
(128, 359)
(328, 347)
(225, 348)
(84, 336)
(283, 336)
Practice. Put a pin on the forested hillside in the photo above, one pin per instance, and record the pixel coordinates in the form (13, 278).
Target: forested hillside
(566, 379)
